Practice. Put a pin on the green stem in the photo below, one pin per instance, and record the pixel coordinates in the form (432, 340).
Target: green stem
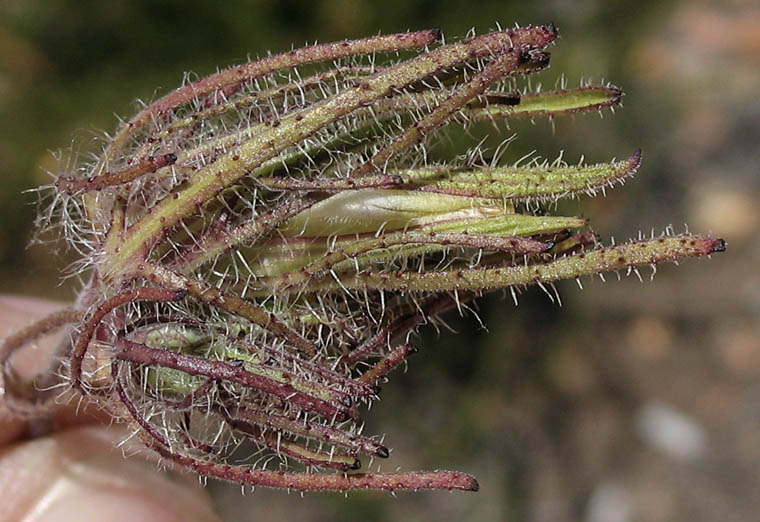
(484, 279)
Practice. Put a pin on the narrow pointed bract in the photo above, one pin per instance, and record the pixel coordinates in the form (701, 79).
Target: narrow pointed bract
(262, 242)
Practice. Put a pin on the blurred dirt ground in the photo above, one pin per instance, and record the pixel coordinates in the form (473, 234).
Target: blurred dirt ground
(634, 401)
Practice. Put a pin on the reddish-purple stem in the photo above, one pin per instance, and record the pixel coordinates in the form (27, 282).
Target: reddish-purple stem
(441, 480)
(275, 441)
(416, 133)
(305, 428)
(437, 480)
(127, 350)
(400, 326)
(30, 395)
(126, 400)
(352, 386)
(388, 363)
(305, 55)
(34, 331)
(138, 294)
(148, 165)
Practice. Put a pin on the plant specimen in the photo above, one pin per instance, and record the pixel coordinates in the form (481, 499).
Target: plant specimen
(261, 243)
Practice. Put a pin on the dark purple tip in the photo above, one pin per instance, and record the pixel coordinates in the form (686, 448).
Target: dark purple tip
(357, 464)
(437, 33)
(382, 452)
(524, 56)
(720, 245)
(635, 159)
(616, 91)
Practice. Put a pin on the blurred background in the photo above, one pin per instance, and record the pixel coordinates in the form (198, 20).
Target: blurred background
(633, 401)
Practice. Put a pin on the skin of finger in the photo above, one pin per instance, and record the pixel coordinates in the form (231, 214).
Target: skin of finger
(80, 474)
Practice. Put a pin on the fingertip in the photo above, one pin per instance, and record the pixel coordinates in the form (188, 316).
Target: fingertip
(80, 475)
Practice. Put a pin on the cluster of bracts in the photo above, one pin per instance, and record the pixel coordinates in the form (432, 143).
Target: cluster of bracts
(261, 243)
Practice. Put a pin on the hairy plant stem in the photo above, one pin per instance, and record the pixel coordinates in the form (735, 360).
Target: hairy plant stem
(264, 242)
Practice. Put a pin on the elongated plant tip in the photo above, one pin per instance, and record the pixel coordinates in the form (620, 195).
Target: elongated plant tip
(703, 245)
(437, 33)
(420, 480)
(357, 464)
(382, 452)
(635, 160)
